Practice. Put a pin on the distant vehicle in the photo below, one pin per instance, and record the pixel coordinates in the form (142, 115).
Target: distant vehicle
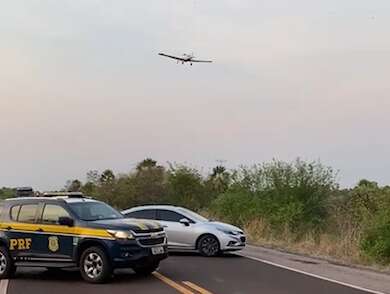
(185, 58)
(187, 230)
(24, 192)
(67, 230)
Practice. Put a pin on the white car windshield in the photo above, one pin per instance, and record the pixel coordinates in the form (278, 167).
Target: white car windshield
(193, 215)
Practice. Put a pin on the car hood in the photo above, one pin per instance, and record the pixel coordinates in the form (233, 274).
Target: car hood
(126, 224)
(224, 226)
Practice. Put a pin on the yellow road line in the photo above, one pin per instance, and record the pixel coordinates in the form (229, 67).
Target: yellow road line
(3, 286)
(197, 288)
(173, 284)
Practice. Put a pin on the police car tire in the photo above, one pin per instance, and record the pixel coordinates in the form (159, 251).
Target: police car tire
(106, 266)
(146, 269)
(10, 267)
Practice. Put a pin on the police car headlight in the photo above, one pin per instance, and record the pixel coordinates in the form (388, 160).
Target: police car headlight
(121, 234)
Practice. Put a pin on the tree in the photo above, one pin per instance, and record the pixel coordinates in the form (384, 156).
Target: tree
(89, 189)
(219, 180)
(147, 163)
(186, 188)
(364, 199)
(149, 182)
(73, 186)
(93, 177)
(125, 192)
(107, 177)
(106, 187)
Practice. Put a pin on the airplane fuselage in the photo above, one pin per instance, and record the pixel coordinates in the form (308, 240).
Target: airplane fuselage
(186, 58)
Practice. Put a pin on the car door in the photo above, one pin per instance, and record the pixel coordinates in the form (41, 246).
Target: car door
(179, 235)
(21, 231)
(55, 240)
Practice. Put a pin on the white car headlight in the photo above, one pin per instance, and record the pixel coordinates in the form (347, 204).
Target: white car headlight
(124, 235)
(228, 232)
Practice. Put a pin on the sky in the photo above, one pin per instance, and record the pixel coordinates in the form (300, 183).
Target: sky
(82, 86)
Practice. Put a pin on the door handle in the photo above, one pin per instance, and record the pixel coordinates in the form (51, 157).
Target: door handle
(39, 230)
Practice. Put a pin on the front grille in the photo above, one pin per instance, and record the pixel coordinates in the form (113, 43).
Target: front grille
(243, 239)
(152, 241)
(148, 231)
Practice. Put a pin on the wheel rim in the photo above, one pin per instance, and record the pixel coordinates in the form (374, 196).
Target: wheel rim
(93, 265)
(210, 246)
(3, 263)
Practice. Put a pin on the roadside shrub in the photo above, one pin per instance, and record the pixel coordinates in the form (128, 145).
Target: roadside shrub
(299, 194)
(7, 193)
(376, 238)
(236, 207)
(283, 194)
(186, 188)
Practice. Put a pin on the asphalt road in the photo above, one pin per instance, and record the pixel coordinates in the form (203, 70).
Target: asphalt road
(186, 274)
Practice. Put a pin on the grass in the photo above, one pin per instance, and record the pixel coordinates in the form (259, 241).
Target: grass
(337, 249)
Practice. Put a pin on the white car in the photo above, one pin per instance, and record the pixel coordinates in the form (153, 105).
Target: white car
(187, 230)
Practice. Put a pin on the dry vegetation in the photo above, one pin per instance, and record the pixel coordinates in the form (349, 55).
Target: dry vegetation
(343, 249)
(296, 206)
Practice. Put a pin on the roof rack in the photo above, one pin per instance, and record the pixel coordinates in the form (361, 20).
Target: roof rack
(63, 194)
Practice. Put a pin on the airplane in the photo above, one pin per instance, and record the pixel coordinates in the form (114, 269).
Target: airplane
(186, 58)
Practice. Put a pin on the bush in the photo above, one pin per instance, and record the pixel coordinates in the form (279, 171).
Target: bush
(186, 188)
(284, 194)
(236, 207)
(376, 238)
(7, 193)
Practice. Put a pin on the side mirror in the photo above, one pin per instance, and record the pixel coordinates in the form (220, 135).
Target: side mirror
(66, 221)
(185, 222)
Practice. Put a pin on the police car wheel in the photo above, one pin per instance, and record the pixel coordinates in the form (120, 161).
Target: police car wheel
(7, 267)
(95, 266)
(146, 269)
(208, 246)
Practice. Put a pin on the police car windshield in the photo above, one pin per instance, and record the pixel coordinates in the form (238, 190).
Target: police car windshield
(92, 211)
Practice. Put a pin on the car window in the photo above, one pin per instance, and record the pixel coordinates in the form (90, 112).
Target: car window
(27, 213)
(143, 214)
(168, 216)
(14, 212)
(52, 213)
(92, 211)
(193, 215)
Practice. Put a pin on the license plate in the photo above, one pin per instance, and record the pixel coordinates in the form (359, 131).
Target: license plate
(157, 250)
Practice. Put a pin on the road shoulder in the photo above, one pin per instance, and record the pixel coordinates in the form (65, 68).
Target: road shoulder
(367, 279)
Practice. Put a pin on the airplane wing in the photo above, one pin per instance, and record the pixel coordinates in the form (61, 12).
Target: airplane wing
(173, 57)
(207, 61)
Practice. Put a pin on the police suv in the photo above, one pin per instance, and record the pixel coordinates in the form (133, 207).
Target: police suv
(67, 230)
